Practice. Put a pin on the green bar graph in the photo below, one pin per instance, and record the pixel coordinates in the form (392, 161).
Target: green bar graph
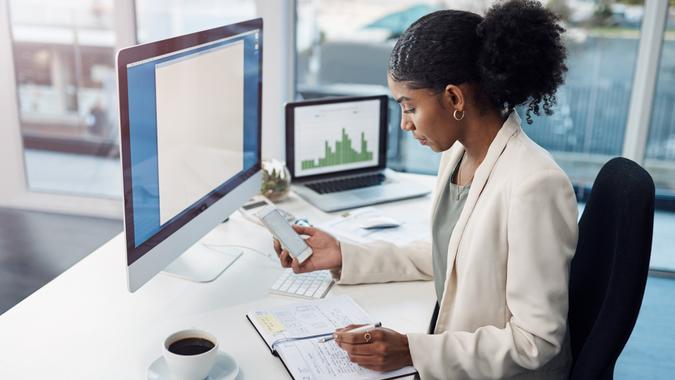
(341, 153)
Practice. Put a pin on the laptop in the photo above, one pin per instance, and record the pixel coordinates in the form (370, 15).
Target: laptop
(336, 151)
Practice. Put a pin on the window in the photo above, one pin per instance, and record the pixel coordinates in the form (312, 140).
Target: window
(343, 47)
(64, 59)
(159, 19)
(331, 33)
(590, 118)
(65, 76)
(589, 122)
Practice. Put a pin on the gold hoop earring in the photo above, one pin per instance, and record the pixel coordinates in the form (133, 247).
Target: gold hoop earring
(454, 114)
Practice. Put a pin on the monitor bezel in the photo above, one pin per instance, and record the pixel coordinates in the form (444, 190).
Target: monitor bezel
(152, 50)
(290, 108)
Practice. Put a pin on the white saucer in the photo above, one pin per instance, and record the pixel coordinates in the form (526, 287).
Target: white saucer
(226, 368)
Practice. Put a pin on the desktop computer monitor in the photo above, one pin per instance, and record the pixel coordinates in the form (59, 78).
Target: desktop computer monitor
(190, 140)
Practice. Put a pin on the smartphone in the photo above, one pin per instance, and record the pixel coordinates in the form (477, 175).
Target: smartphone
(282, 230)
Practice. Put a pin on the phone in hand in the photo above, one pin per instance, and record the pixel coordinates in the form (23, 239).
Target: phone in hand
(282, 231)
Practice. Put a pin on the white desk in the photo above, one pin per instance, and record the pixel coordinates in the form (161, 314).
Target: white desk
(85, 325)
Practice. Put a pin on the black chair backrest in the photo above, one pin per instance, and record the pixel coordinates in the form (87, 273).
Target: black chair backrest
(609, 270)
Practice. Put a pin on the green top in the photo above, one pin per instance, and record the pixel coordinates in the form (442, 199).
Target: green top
(450, 205)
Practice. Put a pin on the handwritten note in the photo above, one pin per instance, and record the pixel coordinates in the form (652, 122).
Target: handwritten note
(284, 328)
(311, 360)
(308, 318)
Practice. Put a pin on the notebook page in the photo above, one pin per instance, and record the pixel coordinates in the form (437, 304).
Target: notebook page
(312, 360)
(307, 318)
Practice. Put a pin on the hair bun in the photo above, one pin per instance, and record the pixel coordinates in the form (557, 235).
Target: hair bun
(522, 58)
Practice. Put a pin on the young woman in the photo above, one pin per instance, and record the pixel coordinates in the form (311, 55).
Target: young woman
(504, 219)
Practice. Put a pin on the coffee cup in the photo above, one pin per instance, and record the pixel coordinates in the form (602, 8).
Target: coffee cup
(190, 354)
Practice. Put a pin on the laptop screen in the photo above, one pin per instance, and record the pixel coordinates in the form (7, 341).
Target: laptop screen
(330, 136)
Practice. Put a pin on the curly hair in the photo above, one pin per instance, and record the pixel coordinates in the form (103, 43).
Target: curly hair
(515, 53)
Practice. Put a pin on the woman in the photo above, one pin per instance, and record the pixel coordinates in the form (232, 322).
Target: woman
(504, 214)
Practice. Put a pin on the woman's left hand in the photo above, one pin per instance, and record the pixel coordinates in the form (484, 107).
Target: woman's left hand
(379, 349)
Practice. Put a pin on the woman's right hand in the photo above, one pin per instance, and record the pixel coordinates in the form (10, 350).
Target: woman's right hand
(326, 253)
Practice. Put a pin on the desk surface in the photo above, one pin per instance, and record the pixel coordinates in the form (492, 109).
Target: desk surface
(84, 324)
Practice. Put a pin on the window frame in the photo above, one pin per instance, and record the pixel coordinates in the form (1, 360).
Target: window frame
(652, 35)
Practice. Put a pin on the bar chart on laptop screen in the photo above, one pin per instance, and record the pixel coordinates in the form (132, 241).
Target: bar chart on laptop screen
(336, 137)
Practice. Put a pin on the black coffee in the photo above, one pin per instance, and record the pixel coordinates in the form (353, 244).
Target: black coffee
(191, 346)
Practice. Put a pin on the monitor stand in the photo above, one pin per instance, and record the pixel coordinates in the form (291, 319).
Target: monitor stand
(202, 264)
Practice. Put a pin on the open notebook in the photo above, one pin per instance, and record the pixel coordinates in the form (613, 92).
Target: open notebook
(292, 332)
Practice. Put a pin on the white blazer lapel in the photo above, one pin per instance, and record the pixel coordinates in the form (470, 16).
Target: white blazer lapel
(511, 126)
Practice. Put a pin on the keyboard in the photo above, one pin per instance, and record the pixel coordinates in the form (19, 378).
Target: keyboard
(304, 285)
(335, 185)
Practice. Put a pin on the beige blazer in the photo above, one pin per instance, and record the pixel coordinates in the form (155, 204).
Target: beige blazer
(504, 308)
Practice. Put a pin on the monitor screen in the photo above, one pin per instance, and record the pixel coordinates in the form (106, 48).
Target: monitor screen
(336, 135)
(190, 118)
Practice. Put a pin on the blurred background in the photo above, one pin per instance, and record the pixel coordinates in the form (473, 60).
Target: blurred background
(61, 190)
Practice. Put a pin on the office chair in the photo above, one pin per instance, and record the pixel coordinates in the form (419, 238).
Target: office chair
(609, 271)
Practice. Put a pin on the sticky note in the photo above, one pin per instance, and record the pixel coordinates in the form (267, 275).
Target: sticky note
(270, 323)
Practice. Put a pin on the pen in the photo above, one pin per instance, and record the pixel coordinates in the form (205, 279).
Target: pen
(384, 227)
(356, 330)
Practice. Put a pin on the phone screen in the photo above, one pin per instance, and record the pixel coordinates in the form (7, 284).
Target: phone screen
(284, 232)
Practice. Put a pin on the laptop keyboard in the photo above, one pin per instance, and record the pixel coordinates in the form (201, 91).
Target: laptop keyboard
(343, 184)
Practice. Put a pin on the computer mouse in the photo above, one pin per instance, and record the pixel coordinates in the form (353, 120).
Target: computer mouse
(378, 222)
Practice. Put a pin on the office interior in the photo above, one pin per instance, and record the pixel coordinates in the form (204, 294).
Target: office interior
(61, 188)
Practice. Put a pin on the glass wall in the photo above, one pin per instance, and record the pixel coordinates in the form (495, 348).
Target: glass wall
(64, 54)
(589, 122)
(343, 47)
(159, 19)
(64, 64)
